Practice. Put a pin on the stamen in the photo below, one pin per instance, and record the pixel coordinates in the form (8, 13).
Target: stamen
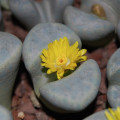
(62, 60)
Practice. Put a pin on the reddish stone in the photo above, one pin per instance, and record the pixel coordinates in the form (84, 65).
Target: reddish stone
(23, 87)
(30, 117)
(11, 28)
(15, 115)
(15, 101)
(41, 116)
(101, 103)
(97, 54)
(103, 87)
(26, 107)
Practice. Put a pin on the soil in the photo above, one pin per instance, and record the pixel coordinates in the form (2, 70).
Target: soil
(23, 92)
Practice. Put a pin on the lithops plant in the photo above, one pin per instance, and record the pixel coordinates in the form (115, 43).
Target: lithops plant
(31, 12)
(10, 53)
(5, 114)
(113, 74)
(92, 30)
(62, 95)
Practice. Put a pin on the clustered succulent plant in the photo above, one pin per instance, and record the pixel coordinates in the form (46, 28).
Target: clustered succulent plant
(52, 53)
(10, 53)
(73, 85)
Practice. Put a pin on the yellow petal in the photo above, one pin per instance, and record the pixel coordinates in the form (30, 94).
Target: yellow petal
(83, 51)
(83, 58)
(75, 45)
(49, 45)
(73, 55)
(112, 113)
(60, 74)
(72, 66)
(65, 38)
(117, 115)
(44, 52)
(43, 58)
(43, 64)
(109, 117)
(49, 71)
(118, 110)
(65, 46)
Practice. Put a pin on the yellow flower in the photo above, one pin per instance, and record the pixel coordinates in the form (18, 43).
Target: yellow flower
(60, 56)
(113, 114)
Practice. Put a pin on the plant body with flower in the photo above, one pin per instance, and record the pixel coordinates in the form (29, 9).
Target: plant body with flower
(61, 56)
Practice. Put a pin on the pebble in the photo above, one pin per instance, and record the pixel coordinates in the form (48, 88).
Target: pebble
(21, 115)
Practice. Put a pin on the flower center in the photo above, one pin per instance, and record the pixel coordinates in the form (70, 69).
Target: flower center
(62, 60)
